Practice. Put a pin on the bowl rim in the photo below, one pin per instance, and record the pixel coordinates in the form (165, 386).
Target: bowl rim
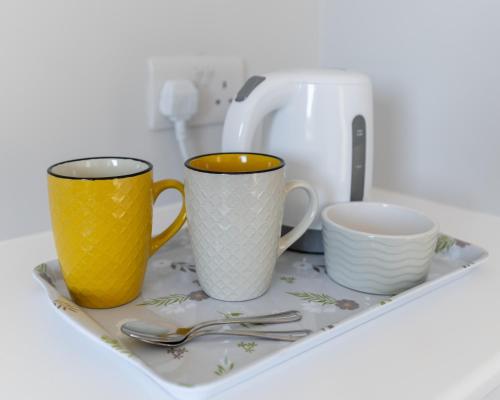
(328, 223)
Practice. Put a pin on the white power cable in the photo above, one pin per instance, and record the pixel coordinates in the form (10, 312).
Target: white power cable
(179, 102)
(181, 136)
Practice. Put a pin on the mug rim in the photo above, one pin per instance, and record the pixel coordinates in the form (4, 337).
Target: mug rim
(54, 174)
(330, 223)
(282, 163)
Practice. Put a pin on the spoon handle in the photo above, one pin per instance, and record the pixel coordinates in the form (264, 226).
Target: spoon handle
(288, 336)
(279, 318)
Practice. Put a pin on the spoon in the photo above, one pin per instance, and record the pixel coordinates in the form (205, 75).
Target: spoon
(289, 336)
(143, 330)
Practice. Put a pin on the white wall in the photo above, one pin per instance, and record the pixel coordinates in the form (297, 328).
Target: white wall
(435, 66)
(72, 79)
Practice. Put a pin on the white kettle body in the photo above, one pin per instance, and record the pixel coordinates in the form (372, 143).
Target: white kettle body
(321, 123)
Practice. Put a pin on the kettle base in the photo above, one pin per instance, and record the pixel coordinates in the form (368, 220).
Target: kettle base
(310, 242)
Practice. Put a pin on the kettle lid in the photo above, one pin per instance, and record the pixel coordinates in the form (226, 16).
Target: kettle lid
(332, 76)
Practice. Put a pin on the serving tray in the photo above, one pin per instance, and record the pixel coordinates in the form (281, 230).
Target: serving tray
(172, 297)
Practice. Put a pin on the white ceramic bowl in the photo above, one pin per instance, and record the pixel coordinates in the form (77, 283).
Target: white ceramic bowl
(377, 248)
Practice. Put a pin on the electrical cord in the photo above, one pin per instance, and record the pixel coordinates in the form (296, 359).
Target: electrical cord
(179, 103)
(181, 136)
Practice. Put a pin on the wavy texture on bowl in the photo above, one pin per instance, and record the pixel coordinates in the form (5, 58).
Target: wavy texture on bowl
(377, 265)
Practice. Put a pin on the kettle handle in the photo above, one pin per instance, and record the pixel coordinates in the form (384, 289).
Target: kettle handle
(262, 96)
(312, 209)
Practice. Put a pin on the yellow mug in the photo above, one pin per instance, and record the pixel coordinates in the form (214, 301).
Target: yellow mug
(101, 210)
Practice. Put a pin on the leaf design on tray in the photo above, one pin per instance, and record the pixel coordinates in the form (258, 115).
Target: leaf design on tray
(325, 300)
(249, 347)
(228, 315)
(198, 295)
(42, 270)
(319, 268)
(328, 327)
(288, 279)
(346, 304)
(115, 344)
(183, 266)
(177, 352)
(224, 367)
(444, 243)
(385, 301)
(166, 300)
(461, 243)
(310, 297)
(188, 385)
(65, 305)
(236, 314)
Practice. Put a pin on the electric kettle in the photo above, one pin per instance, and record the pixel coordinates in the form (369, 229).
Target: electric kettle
(321, 123)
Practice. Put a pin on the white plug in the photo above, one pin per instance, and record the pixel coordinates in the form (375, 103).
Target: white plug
(179, 102)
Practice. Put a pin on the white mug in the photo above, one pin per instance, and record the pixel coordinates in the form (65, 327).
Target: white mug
(235, 210)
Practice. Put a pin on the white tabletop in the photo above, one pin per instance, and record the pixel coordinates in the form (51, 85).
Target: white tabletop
(444, 345)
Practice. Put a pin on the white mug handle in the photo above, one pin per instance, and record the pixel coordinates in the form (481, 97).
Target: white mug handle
(312, 209)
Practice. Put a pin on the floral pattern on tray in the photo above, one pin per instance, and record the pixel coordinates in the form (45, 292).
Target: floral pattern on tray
(173, 297)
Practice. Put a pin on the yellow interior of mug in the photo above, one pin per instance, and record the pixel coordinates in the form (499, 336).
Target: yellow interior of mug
(235, 163)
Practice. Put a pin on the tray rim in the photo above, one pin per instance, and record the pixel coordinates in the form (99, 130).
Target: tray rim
(205, 390)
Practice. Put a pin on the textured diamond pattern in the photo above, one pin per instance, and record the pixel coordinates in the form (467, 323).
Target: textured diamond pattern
(102, 230)
(235, 224)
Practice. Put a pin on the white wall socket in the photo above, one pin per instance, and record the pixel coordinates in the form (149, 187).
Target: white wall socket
(218, 79)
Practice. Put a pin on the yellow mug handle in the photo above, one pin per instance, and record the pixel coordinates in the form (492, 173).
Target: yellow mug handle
(160, 239)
